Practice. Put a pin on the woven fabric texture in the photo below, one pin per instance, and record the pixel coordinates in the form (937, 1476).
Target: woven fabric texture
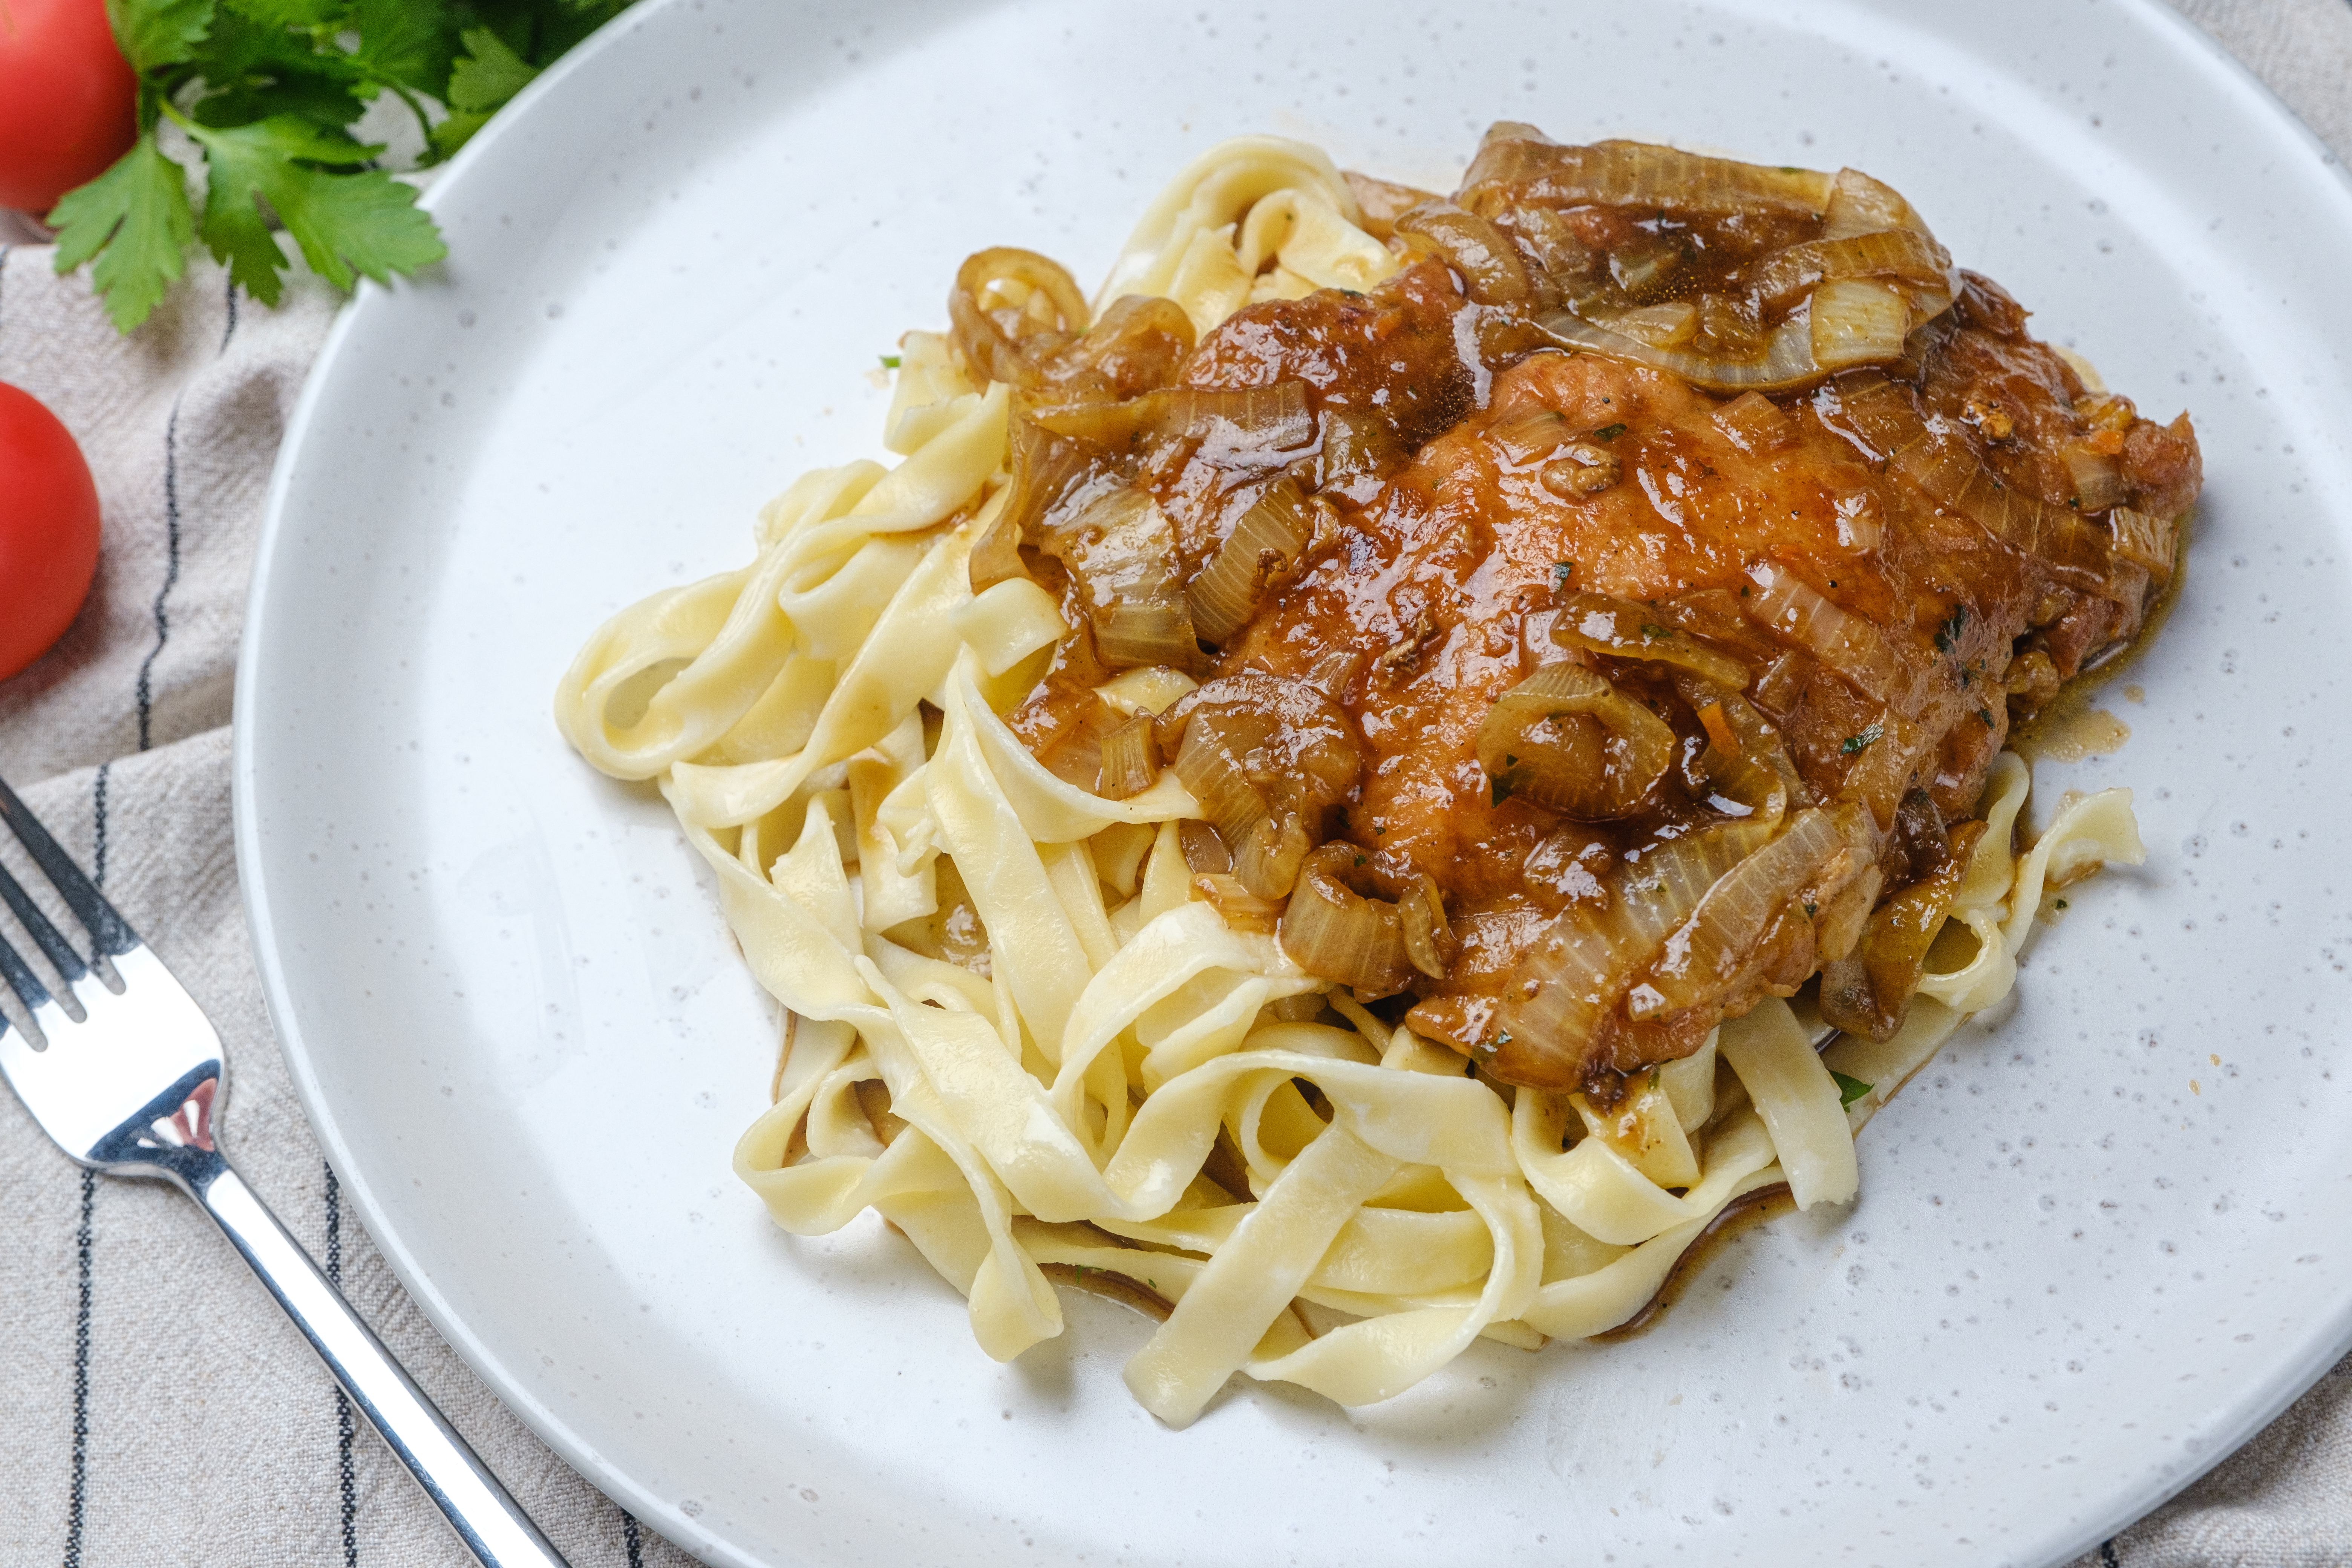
(155, 1406)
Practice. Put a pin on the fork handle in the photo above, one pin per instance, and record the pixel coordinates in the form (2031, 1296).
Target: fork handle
(493, 1527)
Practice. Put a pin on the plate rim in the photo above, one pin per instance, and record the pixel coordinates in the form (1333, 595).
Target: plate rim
(2323, 1349)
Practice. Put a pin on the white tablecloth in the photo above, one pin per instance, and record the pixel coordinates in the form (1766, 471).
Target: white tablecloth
(154, 1406)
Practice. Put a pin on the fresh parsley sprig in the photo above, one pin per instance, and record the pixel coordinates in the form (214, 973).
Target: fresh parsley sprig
(266, 93)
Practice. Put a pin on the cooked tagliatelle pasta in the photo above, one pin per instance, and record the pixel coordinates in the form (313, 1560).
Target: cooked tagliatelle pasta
(1337, 791)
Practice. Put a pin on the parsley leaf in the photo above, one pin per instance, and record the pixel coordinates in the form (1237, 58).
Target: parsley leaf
(288, 12)
(253, 69)
(401, 43)
(1609, 432)
(481, 81)
(364, 222)
(890, 362)
(1850, 1089)
(156, 33)
(134, 218)
(1863, 741)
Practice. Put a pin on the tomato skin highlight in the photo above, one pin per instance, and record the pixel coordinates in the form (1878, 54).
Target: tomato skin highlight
(68, 101)
(48, 529)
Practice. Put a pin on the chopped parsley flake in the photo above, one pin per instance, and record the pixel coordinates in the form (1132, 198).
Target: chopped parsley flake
(1610, 432)
(1502, 791)
(1849, 1088)
(1811, 909)
(1560, 570)
(2061, 903)
(1948, 636)
(1650, 631)
(1863, 741)
(889, 361)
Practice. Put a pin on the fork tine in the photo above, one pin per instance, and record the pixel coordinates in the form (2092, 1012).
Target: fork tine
(108, 929)
(21, 980)
(53, 942)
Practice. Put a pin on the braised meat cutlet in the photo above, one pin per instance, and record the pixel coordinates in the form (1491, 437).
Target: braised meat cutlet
(1622, 602)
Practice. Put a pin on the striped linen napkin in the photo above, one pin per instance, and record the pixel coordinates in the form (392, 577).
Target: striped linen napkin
(154, 1406)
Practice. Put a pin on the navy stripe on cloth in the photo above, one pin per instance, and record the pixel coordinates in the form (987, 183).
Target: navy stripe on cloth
(344, 1431)
(170, 575)
(77, 1486)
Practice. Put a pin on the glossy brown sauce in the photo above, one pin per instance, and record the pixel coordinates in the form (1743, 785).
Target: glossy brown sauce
(1743, 1215)
(1900, 560)
(2075, 698)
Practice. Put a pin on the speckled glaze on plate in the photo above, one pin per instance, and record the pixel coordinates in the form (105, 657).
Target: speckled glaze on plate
(2099, 1242)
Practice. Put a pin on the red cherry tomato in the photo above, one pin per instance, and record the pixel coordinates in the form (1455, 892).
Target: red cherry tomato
(48, 529)
(69, 101)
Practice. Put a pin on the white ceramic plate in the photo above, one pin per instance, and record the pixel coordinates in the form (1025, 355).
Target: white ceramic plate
(2098, 1245)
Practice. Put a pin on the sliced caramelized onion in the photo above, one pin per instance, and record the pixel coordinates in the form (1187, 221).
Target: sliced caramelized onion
(1005, 341)
(1569, 741)
(1671, 325)
(1786, 364)
(1623, 629)
(1851, 647)
(1490, 269)
(1232, 424)
(1706, 952)
(1360, 448)
(1242, 910)
(1732, 325)
(1746, 761)
(1229, 422)
(2098, 479)
(1534, 435)
(1868, 991)
(996, 553)
(2147, 542)
(1429, 941)
(1782, 683)
(1071, 747)
(1521, 168)
(1335, 928)
(1204, 850)
(1557, 1005)
(1122, 550)
(1947, 472)
(1046, 468)
(1754, 422)
(1860, 204)
(1858, 321)
(1266, 759)
(1140, 344)
(1131, 760)
(1903, 254)
(1268, 857)
(1264, 544)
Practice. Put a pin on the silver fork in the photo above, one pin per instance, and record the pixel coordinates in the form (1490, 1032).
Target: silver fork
(126, 1074)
